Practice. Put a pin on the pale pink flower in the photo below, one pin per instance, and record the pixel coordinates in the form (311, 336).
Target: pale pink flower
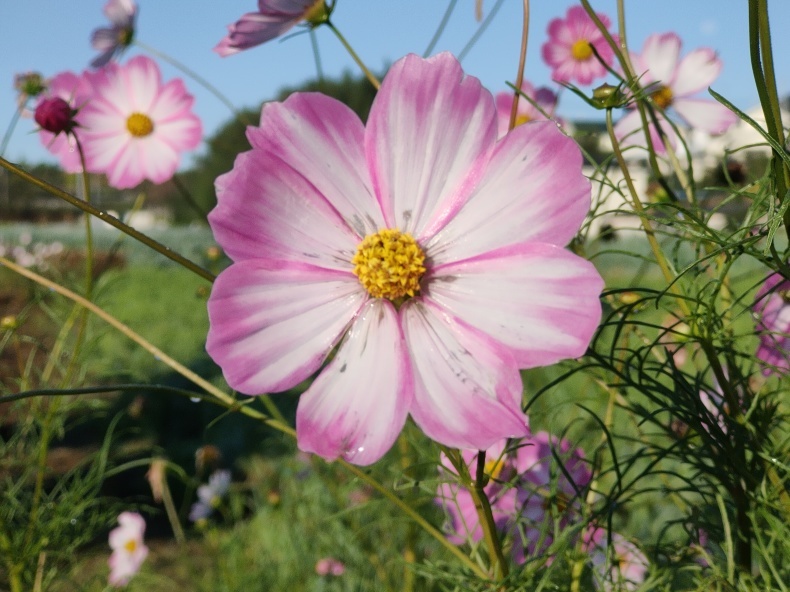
(568, 52)
(274, 17)
(210, 495)
(544, 97)
(128, 549)
(135, 127)
(526, 489)
(427, 251)
(618, 563)
(329, 566)
(112, 40)
(72, 89)
(772, 309)
(674, 83)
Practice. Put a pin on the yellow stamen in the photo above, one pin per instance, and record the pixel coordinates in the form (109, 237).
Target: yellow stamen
(389, 264)
(317, 14)
(581, 50)
(521, 119)
(662, 97)
(139, 125)
(130, 545)
(494, 467)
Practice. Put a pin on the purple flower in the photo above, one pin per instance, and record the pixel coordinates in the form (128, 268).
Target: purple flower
(54, 115)
(274, 17)
(69, 89)
(525, 489)
(618, 563)
(114, 39)
(772, 309)
(429, 253)
(210, 495)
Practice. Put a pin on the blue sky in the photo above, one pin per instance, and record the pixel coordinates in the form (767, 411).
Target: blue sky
(53, 35)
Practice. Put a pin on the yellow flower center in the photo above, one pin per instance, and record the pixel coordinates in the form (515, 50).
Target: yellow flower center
(662, 97)
(581, 50)
(494, 467)
(317, 14)
(130, 545)
(139, 125)
(389, 264)
(522, 119)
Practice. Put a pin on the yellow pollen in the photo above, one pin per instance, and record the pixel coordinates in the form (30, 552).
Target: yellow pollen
(521, 119)
(139, 125)
(494, 467)
(662, 97)
(389, 264)
(130, 545)
(581, 50)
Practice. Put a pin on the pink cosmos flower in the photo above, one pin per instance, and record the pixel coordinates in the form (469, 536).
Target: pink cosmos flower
(675, 82)
(544, 97)
(128, 549)
(568, 51)
(329, 566)
(623, 567)
(772, 309)
(426, 251)
(526, 489)
(72, 89)
(112, 40)
(135, 127)
(274, 17)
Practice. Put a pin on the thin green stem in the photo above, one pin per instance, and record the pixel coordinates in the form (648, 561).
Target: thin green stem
(11, 127)
(189, 198)
(111, 220)
(319, 69)
(522, 60)
(368, 74)
(440, 29)
(480, 30)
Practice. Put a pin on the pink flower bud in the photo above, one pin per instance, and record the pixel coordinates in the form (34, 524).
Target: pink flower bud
(54, 115)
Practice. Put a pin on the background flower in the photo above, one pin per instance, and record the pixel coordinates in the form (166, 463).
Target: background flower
(324, 212)
(274, 17)
(112, 40)
(72, 89)
(772, 309)
(128, 549)
(210, 495)
(674, 83)
(544, 97)
(618, 563)
(568, 51)
(135, 127)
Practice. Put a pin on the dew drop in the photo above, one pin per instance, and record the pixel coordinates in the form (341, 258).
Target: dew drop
(195, 399)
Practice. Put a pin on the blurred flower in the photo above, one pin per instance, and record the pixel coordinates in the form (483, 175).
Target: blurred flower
(329, 566)
(569, 48)
(674, 83)
(422, 246)
(526, 111)
(135, 127)
(210, 495)
(772, 309)
(71, 89)
(9, 323)
(128, 549)
(156, 475)
(525, 489)
(274, 17)
(207, 457)
(619, 567)
(114, 39)
(28, 85)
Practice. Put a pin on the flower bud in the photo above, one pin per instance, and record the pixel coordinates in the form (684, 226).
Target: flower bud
(607, 96)
(54, 115)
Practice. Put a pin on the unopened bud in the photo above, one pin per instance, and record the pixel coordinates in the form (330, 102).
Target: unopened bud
(54, 115)
(607, 96)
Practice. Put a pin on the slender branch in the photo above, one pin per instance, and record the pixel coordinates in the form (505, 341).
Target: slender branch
(480, 30)
(370, 76)
(440, 28)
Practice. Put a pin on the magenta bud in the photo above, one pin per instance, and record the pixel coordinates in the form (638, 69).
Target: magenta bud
(54, 115)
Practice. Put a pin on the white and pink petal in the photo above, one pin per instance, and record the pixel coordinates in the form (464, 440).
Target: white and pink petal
(705, 114)
(273, 324)
(538, 300)
(358, 405)
(467, 389)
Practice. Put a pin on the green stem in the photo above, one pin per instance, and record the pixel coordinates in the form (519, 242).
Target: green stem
(11, 127)
(319, 69)
(440, 29)
(522, 60)
(373, 80)
(189, 198)
(111, 220)
(480, 30)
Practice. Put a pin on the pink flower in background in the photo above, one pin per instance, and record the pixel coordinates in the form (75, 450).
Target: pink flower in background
(128, 549)
(568, 51)
(71, 89)
(135, 127)
(772, 309)
(544, 97)
(622, 567)
(526, 489)
(675, 82)
(430, 253)
(274, 17)
(112, 40)
(329, 566)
